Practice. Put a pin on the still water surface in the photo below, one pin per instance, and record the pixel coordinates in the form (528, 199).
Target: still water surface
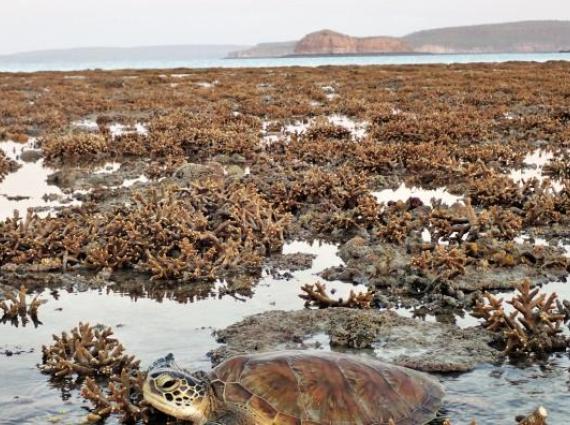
(118, 63)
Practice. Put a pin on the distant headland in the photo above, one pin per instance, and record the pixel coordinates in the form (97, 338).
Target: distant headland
(514, 37)
(517, 37)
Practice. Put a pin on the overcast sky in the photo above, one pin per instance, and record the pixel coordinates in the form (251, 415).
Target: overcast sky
(46, 24)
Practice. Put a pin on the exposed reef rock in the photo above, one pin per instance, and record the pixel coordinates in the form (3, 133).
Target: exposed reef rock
(432, 347)
(328, 42)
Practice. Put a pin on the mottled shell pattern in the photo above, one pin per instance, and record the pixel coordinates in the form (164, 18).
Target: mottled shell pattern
(316, 388)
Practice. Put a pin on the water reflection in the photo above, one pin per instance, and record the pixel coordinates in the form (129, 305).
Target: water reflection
(152, 319)
(28, 186)
(181, 322)
(403, 193)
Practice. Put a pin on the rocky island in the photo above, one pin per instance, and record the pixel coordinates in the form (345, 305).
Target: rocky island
(515, 37)
(329, 42)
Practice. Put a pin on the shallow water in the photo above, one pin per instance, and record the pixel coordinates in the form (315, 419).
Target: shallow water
(357, 129)
(146, 327)
(534, 164)
(494, 394)
(23, 66)
(150, 328)
(29, 182)
(403, 193)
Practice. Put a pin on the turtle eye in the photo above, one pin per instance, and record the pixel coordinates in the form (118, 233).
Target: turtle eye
(167, 383)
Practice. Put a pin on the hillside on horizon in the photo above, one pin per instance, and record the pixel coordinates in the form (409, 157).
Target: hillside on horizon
(140, 53)
(517, 37)
(512, 37)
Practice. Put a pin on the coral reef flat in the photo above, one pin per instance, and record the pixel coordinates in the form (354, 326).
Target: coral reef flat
(419, 214)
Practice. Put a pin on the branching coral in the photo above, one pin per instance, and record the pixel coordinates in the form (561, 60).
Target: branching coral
(6, 165)
(323, 129)
(113, 381)
(198, 232)
(535, 325)
(559, 168)
(462, 222)
(122, 396)
(397, 221)
(445, 262)
(86, 351)
(315, 186)
(78, 146)
(16, 309)
(537, 417)
(316, 296)
(492, 312)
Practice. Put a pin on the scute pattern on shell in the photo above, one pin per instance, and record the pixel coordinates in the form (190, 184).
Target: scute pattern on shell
(298, 387)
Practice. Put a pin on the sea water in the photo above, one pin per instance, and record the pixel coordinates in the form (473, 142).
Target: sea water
(25, 66)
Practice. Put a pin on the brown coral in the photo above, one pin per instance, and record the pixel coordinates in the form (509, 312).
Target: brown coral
(113, 381)
(122, 396)
(86, 351)
(535, 326)
(316, 296)
(16, 309)
(199, 232)
(80, 146)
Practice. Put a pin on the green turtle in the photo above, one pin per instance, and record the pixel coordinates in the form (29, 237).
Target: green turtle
(294, 387)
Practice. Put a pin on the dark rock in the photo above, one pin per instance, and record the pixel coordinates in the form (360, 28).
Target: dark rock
(31, 155)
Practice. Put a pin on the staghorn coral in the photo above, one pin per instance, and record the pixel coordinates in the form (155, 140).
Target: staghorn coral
(78, 147)
(323, 129)
(112, 379)
(399, 220)
(199, 232)
(316, 296)
(339, 189)
(537, 417)
(86, 351)
(533, 327)
(445, 262)
(559, 168)
(103, 407)
(16, 309)
(462, 222)
(496, 189)
(6, 165)
(491, 311)
(564, 308)
(121, 396)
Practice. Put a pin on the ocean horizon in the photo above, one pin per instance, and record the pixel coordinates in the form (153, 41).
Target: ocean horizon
(403, 59)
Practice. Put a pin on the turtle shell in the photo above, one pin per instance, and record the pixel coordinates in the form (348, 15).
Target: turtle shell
(315, 388)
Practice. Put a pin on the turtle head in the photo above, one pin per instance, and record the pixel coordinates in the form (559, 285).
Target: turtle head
(177, 392)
